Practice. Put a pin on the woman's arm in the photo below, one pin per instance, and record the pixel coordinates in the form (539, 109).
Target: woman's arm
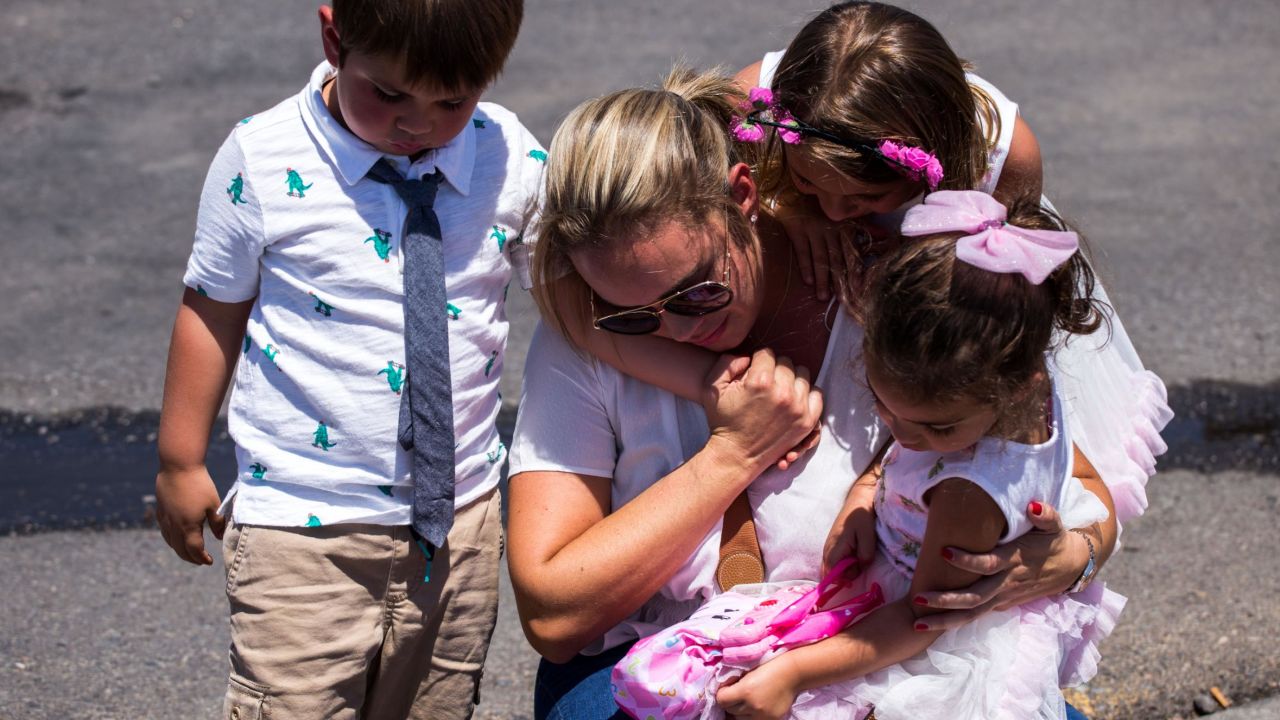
(1044, 562)
(579, 567)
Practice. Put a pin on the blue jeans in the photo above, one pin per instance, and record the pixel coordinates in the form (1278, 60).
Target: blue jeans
(579, 689)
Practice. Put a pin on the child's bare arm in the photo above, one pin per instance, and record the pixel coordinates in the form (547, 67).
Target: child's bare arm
(202, 355)
(677, 367)
(853, 534)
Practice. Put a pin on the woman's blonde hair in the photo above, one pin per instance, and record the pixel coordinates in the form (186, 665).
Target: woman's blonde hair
(867, 71)
(624, 165)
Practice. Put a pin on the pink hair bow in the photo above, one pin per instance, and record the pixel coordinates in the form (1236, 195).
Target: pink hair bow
(991, 243)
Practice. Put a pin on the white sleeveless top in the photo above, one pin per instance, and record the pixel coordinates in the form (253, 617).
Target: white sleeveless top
(580, 415)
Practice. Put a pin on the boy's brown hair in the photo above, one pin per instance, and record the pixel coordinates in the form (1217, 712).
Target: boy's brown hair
(455, 45)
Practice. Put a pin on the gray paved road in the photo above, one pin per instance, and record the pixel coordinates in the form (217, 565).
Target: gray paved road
(1157, 120)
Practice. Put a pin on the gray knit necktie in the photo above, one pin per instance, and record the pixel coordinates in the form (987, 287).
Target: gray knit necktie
(426, 407)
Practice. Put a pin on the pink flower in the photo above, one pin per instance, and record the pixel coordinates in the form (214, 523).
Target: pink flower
(914, 162)
(746, 131)
(760, 97)
(791, 135)
(934, 173)
(914, 158)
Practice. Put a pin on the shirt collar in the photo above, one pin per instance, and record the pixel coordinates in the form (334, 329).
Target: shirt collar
(353, 157)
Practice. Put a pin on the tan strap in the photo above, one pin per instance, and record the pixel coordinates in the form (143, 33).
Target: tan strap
(740, 560)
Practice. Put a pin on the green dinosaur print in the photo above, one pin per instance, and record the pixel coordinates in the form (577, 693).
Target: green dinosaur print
(247, 343)
(236, 189)
(386, 490)
(313, 521)
(259, 471)
(880, 497)
(381, 240)
(937, 468)
(910, 504)
(322, 307)
(295, 183)
(910, 548)
(271, 351)
(201, 291)
(496, 455)
(538, 155)
(488, 367)
(245, 121)
(478, 123)
(500, 235)
(395, 375)
(454, 311)
(321, 438)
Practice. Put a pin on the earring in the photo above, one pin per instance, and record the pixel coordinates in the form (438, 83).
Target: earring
(754, 218)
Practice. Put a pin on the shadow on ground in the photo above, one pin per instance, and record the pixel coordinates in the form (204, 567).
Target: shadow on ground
(96, 467)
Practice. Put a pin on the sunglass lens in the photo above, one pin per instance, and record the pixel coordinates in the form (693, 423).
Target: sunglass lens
(700, 300)
(632, 323)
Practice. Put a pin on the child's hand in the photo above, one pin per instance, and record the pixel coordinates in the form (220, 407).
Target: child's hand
(766, 693)
(818, 243)
(854, 532)
(185, 499)
(762, 406)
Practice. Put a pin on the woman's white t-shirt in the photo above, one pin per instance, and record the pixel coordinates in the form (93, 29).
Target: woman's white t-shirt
(579, 415)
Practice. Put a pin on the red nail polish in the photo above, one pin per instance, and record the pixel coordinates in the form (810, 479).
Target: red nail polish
(919, 600)
(947, 554)
(1036, 508)
(921, 626)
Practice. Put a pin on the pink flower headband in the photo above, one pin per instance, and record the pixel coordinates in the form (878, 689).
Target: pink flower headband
(763, 112)
(991, 244)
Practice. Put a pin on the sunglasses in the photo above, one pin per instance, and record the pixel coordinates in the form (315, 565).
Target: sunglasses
(697, 300)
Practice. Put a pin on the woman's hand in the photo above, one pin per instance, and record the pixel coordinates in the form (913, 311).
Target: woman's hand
(761, 408)
(1045, 561)
(766, 693)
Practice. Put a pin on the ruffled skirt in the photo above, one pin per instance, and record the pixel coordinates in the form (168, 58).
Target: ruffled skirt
(1115, 411)
(1007, 665)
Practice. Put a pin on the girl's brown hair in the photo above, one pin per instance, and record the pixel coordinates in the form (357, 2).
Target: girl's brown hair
(866, 72)
(624, 165)
(941, 329)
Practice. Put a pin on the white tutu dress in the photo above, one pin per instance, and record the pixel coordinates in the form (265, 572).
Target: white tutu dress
(1007, 665)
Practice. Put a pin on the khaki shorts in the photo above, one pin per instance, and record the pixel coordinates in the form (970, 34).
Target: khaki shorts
(337, 622)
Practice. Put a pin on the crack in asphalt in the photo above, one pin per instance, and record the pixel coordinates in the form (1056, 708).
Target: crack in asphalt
(95, 467)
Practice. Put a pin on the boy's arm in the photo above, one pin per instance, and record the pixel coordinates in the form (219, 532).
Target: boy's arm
(202, 355)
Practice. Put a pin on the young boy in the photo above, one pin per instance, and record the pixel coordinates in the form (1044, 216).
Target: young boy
(298, 283)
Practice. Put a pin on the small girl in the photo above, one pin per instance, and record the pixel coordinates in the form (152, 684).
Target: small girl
(958, 325)
(871, 72)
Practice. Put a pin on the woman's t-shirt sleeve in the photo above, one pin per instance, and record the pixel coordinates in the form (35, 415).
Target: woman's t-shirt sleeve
(563, 424)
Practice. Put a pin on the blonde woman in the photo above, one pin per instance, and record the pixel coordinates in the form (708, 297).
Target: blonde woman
(653, 225)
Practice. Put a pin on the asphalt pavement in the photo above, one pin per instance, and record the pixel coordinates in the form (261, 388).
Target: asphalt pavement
(1157, 120)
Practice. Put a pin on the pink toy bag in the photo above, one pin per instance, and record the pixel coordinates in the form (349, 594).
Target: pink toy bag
(674, 674)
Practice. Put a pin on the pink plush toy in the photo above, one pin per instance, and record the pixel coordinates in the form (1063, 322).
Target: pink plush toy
(675, 673)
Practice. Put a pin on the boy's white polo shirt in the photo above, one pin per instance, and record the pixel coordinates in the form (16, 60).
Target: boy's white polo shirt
(287, 215)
